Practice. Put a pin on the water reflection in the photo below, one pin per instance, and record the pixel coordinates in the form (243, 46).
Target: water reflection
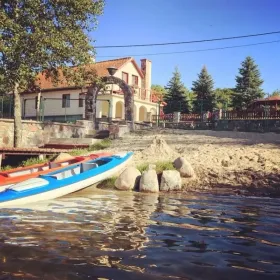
(119, 235)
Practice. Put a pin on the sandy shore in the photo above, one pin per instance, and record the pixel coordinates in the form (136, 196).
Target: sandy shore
(229, 162)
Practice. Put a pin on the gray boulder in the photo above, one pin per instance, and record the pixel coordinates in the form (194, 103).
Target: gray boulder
(184, 167)
(149, 181)
(128, 179)
(171, 181)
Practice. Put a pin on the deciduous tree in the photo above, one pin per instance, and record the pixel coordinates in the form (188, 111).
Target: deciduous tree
(44, 36)
(276, 92)
(160, 90)
(224, 97)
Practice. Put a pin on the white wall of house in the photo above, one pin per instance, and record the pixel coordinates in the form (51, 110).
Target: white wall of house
(53, 103)
(130, 69)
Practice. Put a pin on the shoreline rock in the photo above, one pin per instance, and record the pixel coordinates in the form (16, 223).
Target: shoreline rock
(149, 181)
(170, 181)
(128, 179)
(184, 167)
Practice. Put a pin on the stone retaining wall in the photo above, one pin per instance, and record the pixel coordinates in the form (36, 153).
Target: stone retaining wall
(187, 125)
(37, 133)
(249, 125)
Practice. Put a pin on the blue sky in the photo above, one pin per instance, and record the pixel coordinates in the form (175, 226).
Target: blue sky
(155, 21)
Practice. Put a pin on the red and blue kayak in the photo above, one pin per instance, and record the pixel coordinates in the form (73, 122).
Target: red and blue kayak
(16, 175)
(64, 181)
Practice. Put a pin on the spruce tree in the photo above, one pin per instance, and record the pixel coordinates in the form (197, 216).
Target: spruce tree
(248, 84)
(203, 88)
(176, 95)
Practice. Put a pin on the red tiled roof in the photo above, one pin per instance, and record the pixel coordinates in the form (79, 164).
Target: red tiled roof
(271, 98)
(100, 68)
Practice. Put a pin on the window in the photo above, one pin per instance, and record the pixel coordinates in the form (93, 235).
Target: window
(134, 80)
(125, 77)
(81, 101)
(65, 100)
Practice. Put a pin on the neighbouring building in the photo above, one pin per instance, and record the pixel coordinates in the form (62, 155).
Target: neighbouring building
(63, 103)
(272, 102)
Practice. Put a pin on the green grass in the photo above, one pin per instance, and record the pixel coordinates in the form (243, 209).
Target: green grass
(5, 168)
(142, 167)
(28, 162)
(103, 144)
(160, 166)
(78, 152)
(32, 161)
(108, 183)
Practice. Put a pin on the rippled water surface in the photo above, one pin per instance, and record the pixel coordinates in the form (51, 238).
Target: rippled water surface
(118, 235)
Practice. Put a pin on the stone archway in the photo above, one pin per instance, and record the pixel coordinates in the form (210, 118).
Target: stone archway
(90, 108)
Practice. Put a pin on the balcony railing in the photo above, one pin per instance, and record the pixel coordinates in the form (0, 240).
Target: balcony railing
(139, 93)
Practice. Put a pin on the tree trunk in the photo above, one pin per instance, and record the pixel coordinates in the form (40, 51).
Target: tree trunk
(38, 106)
(17, 117)
(90, 108)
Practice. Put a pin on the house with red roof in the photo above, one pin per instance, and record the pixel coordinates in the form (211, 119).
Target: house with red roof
(61, 102)
(272, 102)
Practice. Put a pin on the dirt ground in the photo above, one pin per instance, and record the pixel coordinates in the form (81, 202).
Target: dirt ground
(228, 162)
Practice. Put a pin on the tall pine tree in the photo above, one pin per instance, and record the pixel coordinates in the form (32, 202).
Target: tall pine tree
(176, 95)
(248, 84)
(203, 88)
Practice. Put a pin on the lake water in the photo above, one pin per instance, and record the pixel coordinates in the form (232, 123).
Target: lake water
(99, 234)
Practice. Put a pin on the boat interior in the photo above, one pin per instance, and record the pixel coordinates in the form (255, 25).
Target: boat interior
(39, 168)
(76, 169)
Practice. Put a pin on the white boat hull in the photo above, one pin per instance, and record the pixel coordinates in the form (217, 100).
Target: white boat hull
(62, 191)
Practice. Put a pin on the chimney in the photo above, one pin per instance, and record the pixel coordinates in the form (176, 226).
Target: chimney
(146, 67)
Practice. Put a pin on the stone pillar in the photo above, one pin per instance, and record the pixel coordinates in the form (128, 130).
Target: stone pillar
(220, 114)
(99, 109)
(176, 117)
(113, 131)
(149, 116)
